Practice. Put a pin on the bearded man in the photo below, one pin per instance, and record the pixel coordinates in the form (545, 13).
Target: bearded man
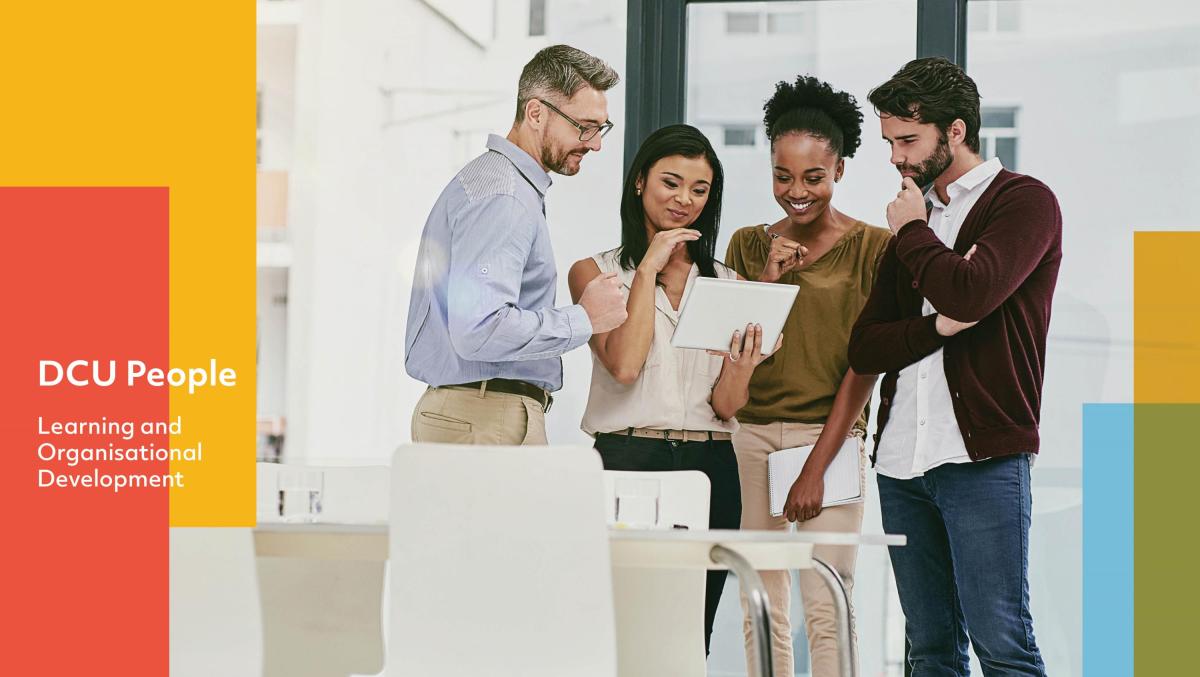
(957, 320)
(483, 330)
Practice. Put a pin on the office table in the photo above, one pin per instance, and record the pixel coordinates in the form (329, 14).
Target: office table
(742, 552)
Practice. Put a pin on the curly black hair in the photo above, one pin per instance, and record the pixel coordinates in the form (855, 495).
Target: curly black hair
(931, 90)
(810, 106)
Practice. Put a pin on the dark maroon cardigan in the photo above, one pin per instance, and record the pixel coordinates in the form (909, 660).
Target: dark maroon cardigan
(995, 368)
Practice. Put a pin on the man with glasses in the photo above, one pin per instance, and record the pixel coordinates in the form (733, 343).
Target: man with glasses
(483, 330)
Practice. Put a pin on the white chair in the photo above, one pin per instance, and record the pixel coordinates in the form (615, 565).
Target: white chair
(322, 616)
(660, 612)
(500, 563)
(683, 496)
(215, 627)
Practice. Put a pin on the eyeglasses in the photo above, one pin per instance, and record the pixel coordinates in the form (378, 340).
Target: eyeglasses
(586, 132)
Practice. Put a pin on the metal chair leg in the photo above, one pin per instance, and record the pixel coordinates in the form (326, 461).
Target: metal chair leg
(760, 618)
(841, 602)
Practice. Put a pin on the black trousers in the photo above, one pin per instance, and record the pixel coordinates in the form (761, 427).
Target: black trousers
(714, 458)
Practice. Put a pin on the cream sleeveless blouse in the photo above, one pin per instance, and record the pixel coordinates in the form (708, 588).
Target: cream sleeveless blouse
(674, 390)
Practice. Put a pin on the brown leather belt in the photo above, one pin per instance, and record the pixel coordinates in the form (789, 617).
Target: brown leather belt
(505, 385)
(676, 435)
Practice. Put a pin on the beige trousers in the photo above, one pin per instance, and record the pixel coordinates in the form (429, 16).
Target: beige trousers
(752, 443)
(474, 416)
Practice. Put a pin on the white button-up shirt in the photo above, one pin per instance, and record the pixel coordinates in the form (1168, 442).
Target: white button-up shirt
(673, 391)
(921, 431)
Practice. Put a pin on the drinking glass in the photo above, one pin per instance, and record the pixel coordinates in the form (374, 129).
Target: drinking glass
(636, 502)
(300, 494)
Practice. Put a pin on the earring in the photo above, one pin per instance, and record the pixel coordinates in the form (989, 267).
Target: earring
(639, 191)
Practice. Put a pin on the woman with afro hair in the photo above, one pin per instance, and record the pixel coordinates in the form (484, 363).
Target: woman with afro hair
(806, 392)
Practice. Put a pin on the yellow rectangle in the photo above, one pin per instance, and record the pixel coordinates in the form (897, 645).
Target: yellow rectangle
(1166, 324)
(152, 93)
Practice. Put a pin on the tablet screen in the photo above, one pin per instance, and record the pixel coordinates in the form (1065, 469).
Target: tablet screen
(715, 308)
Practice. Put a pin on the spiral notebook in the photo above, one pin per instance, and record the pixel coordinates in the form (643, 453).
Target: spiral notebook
(841, 477)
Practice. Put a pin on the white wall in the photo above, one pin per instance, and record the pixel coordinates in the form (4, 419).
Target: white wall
(392, 98)
(272, 341)
(276, 72)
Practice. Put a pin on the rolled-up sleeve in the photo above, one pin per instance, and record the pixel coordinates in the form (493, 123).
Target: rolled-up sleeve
(491, 240)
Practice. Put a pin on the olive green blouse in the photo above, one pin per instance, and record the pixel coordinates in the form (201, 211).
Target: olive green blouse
(798, 383)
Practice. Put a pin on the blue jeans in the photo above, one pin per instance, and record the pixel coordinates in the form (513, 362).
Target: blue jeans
(964, 573)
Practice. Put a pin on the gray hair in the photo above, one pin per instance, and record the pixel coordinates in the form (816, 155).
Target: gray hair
(562, 69)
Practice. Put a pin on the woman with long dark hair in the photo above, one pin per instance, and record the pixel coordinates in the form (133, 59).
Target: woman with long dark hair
(654, 407)
(806, 394)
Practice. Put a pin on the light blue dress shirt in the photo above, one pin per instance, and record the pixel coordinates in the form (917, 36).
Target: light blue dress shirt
(482, 301)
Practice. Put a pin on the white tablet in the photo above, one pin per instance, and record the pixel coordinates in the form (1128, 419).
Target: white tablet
(715, 308)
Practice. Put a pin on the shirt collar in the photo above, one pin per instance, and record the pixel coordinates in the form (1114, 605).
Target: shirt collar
(967, 182)
(524, 163)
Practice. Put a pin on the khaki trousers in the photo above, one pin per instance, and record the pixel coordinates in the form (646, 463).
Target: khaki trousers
(474, 416)
(752, 444)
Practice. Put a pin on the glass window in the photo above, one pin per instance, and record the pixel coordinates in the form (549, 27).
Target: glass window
(739, 135)
(854, 45)
(742, 22)
(978, 18)
(998, 134)
(785, 22)
(994, 17)
(1008, 17)
(1093, 94)
(728, 84)
(1006, 149)
(537, 17)
(998, 117)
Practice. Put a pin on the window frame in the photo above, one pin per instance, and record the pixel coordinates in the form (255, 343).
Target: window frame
(537, 8)
(739, 128)
(656, 57)
(989, 134)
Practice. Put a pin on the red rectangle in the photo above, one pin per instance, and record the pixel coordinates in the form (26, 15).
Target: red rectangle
(83, 276)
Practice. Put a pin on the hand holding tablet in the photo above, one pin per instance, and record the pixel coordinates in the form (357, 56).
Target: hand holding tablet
(747, 344)
(715, 308)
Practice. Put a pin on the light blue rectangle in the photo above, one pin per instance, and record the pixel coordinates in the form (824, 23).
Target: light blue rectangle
(1108, 540)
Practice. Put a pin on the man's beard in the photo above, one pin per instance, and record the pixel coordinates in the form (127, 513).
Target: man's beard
(933, 166)
(558, 163)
